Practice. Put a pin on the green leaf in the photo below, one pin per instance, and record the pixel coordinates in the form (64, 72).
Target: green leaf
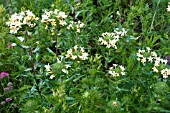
(28, 69)
(24, 87)
(36, 49)
(70, 98)
(77, 14)
(50, 51)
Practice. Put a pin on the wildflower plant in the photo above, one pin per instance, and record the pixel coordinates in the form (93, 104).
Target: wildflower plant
(54, 20)
(110, 39)
(18, 20)
(77, 53)
(158, 64)
(116, 70)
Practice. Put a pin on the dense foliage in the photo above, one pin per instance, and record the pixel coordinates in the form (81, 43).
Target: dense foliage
(85, 56)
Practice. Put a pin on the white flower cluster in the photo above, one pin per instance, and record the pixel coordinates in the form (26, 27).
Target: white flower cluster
(48, 69)
(75, 26)
(168, 8)
(165, 72)
(116, 70)
(23, 18)
(77, 53)
(110, 39)
(49, 17)
(152, 57)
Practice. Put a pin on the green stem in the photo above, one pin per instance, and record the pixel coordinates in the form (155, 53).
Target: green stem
(32, 63)
(56, 44)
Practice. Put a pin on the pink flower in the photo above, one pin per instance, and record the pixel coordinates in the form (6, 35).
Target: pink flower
(3, 74)
(8, 99)
(11, 45)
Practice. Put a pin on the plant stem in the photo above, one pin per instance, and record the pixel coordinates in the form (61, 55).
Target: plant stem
(32, 63)
(56, 44)
(30, 53)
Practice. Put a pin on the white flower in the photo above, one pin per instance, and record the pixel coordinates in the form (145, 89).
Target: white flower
(81, 25)
(61, 15)
(21, 38)
(64, 71)
(100, 39)
(165, 76)
(67, 66)
(13, 29)
(78, 30)
(138, 59)
(115, 65)
(44, 17)
(56, 11)
(155, 69)
(168, 8)
(84, 56)
(67, 55)
(154, 54)
(139, 55)
(22, 13)
(148, 49)
(122, 68)
(113, 73)
(52, 76)
(75, 47)
(140, 51)
(123, 73)
(48, 13)
(13, 44)
(82, 49)
(73, 57)
(123, 32)
(143, 60)
(62, 22)
(156, 63)
(117, 12)
(164, 61)
(69, 51)
(58, 60)
(150, 59)
(29, 13)
(108, 46)
(47, 67)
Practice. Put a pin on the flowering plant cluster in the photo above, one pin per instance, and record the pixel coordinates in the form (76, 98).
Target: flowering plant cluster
(110, 39)
(75, 26)
(58, 65)
(17, 20)
(116, 70)
(152, 57)
(54, 18)
(3, 74)
(9, 87)
(77, 53)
